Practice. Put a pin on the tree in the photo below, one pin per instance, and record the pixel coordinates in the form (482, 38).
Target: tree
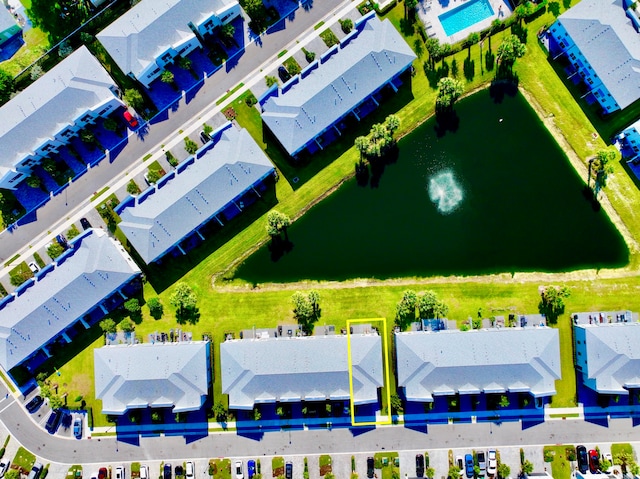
(552, 301)
(132, 188)
(427, 305)
(108, 326)
(227, 30)
(527, 467)
(64, 50)
(167, 77)
(305, 310)
(406, 308)
(504, 401)
(190, 146)
(219, 412)
(602, 167)
(454, 472)
(510, 50)
(49, 165)
(110, 124)
(133, 306)
(184, 300)
(155, 308)
(449, 90)
(347, 25)
(504, 471)
(270, 81)
(133, 98)
(429, 472)
(126, 325)
(54, 250)
(314, 299)
(434, 50)
(185, 63)
(34, 181)
(36, 72)
(472, 39)
(623, 459)
(7, 86)
(410, 9)
(396, 404)
(277, 224)
(254, 8)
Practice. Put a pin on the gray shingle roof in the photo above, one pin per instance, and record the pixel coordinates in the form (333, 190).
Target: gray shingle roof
(98, 267)
(612, 356)
(139, 36)
(73, 87)
(311, 368)
(194, 195)
(608, 40)
(469, 362)
(152, 375)
(375, 55)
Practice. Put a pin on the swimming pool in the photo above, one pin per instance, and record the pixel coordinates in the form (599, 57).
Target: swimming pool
(465, 15)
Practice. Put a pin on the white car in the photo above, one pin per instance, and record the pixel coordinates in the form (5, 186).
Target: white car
(492, 463)
(188, 471)
(4, 466)
(34, 267)
(119, 473)
(144, 472)
(239, 473)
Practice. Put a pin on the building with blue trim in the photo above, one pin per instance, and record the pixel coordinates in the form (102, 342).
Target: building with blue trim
(173, 375)
(92, 278)
(154, 32)
(629, 142)
(217, 183)
(9, 27)
(606, 351)
(267, 369)
(487, 361)
(50, 112)
(309, 111)
(601, 41)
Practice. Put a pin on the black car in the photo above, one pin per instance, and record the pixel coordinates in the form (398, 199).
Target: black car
(288, 470)
(419, 465)
(66, 419)
(54, 421)
(370, 467)
(283, 74)
(167, 471)
(35, 403)
(583, 459)
(84, 222)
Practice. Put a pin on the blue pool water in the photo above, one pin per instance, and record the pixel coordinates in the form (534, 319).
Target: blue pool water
(465, 15)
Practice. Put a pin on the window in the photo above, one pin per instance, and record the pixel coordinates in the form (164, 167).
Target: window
(103, 111)
(208, 25)
(589, 81)
(15, 178)
(572, 56)
(562, 45)
(166, 57)
(86, 118)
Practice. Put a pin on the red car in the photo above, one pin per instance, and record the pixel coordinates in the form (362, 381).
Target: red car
(594, 461)
(103, 473)
(130, 119)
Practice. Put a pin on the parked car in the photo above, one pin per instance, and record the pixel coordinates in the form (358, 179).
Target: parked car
(188, 470)
(370, 468)
(130, 119)
(288, 470)
(77, 428)
(4, 466)
(84, 222)
(54, 421)
(204, 137)
(34, 267)
(103, 473)
(144, 472)
(93, 475)
(179, 471)
(583, 459)
(468, 465)
(251, 468)
(492, 462)
(482, 462)
(238, 469)
(594, 461)
(419, 465)
(166, 472)
(119, 474)
(283, 74)
(35, 471)
(35, 403)
(62, 241)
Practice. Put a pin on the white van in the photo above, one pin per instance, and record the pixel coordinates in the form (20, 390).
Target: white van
(144, 472)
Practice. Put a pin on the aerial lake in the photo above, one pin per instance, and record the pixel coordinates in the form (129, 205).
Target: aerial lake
(496, 195)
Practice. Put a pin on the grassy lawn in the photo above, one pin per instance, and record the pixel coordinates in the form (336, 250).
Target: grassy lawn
(23, 459)
(20, 274)
(221, 468)
(622, 447)
(387, 462)
(277, 466)
(560, 465)
(36, 44)
(325, 464)
(233, 305)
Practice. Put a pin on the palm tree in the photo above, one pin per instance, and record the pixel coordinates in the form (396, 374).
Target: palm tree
(362, 145)
(602, 168)
(510, 50)
(449, 90)
(277, 223)
(167, 77)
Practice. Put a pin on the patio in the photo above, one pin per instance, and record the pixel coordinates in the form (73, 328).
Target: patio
(429, 12)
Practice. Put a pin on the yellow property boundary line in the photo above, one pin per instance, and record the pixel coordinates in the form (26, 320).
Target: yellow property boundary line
(387, 383)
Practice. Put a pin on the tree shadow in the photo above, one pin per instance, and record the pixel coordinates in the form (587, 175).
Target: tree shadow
(188, 316)
(591, 198)
(362, 173)
(519, 31)
(279, 247)
(378, 165)
(469, 68)
(446, 121)
(434, 74)
(505, 84)
(489, 60)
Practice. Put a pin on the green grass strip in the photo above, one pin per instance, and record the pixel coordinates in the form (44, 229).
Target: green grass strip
(229, 93)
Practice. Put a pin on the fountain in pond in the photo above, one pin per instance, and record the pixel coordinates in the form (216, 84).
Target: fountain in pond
(445, 192)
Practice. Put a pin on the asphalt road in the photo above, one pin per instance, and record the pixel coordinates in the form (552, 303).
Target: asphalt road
(255, 56)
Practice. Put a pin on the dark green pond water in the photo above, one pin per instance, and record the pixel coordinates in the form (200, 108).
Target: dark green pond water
(497, 195)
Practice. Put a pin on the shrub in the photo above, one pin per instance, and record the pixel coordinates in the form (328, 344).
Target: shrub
(132, 188)
(34, 181)
(133, 98)
(270, 80)
(171, 159)
(153, 176)
(250, 99)
(347, 25)
(329, 38)
(190, 146)
(207, 129)
(54, 250)
(309, 56)
(133, 306)
(155, 307)
(110, 124)
(73, 232)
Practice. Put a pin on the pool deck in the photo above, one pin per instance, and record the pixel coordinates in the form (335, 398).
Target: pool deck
(430, 10)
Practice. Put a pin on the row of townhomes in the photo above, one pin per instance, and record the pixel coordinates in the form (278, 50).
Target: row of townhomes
(599, 41)
(77, 92)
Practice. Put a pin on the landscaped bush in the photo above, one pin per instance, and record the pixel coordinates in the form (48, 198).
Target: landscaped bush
(250, 99)
(329, 38)
(347, 25)
(190, 146)
(309, 56)
(270, 80)
(292, 66)
(153, 176)
(73, 232)
(54, 250)
(171, 159)
(132, 188)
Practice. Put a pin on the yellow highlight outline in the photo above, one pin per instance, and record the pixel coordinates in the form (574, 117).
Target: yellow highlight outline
(387, 384)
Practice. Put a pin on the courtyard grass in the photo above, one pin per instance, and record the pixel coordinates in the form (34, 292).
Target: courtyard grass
(36, 45)
(23, 460)
(234, 305)
(560, 465)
